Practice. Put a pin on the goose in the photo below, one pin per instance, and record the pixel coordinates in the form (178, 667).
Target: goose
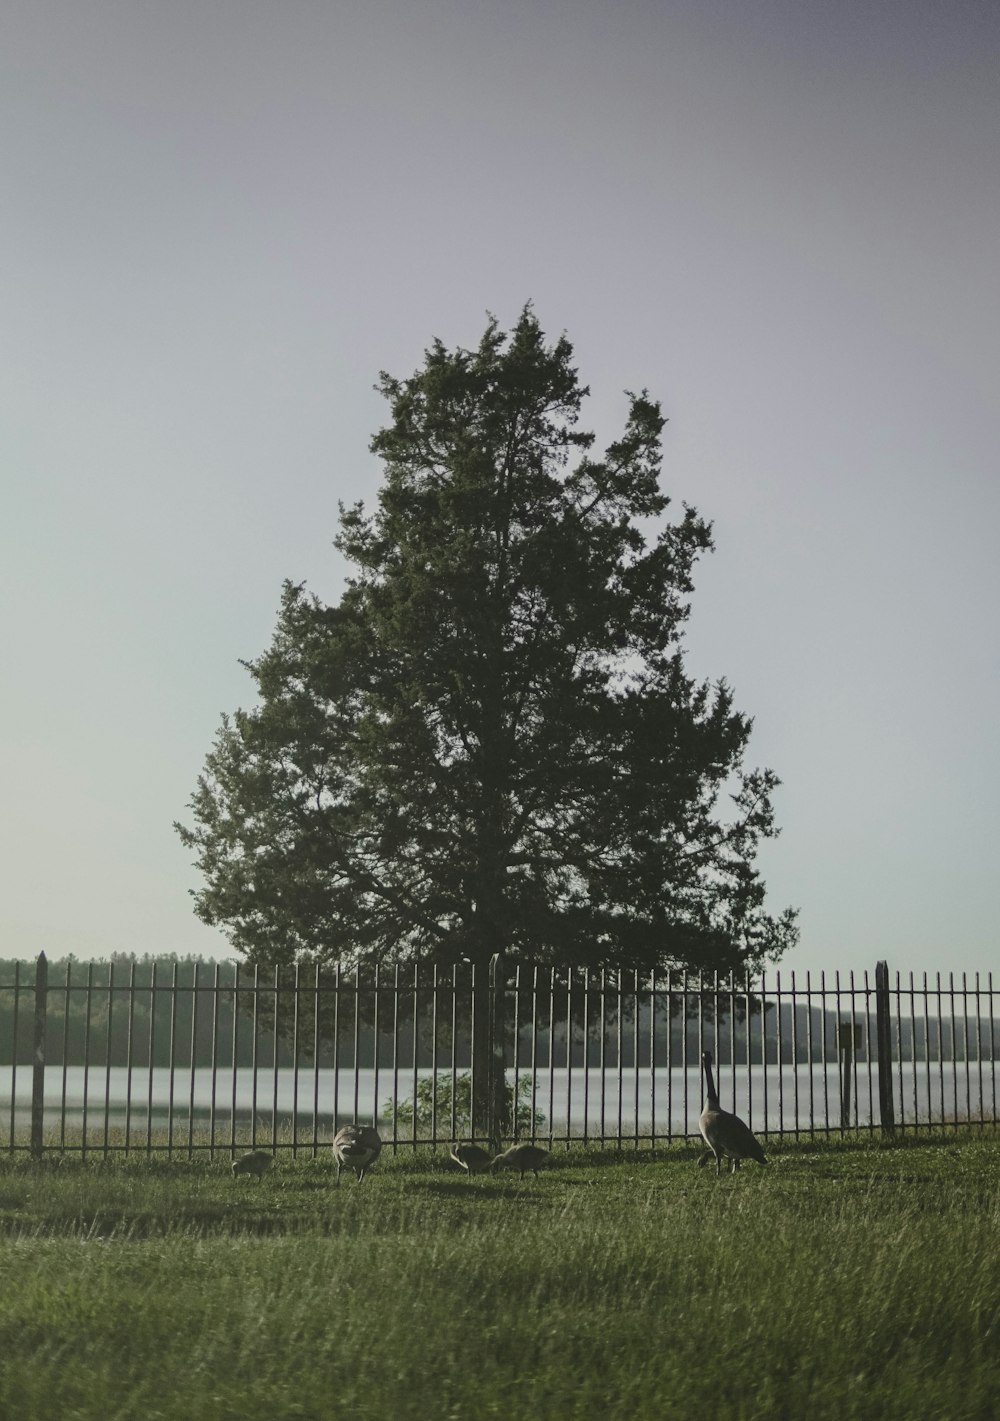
(522, 1158)
(256, 1162)
(357, 1146)
(725, 1135)
(473, 1158)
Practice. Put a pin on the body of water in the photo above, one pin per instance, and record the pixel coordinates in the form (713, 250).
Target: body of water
(664, 1102)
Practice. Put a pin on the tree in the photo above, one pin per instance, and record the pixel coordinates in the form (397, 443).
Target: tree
(490, 743)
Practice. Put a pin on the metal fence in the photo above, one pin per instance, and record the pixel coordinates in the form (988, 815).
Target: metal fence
(180, 1057)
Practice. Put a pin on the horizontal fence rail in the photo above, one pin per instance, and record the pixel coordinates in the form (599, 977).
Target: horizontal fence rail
(180, 1057)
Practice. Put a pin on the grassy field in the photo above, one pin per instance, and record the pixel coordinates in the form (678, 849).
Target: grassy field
(840, 1282)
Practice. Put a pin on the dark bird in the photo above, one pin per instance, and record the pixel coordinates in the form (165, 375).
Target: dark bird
(357, 1146)
(256, 1162)
(472, 1158)
(725, 1135)
(522, 1158)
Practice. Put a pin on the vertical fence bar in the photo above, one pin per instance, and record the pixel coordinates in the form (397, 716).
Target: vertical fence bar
(65, 1060)
(193, 1057)
(357, 1043)
(940, 1020)
(854, 1044)
(749, 1035)
(129, 1052)
(587, 1046)
(149, 1064)
(635, 1050)
(913, 1053)
(236, 1018)
(795, 1054)
(551, 1058)
(993, 1047)
(954, 1048)
(534, 1052)
(395, 1060)
(965, 1047)
(732, 1039)
(38, 1062)
(434, 1057)
(274, 1058)
(336, 1048)
(883, 1029)
(810, 1056)
(474, 1027)
(454, 1056)
(823, 1050)
(569, 1054)
(979, 1053)
(254, 1054)
(215, 1063)
(172, 1060)
(295, 1061)
(416, 1062)
(652, 1060)
(780, 1048)
(603, 1054)
(927, 1051)
(763, 1044)
(316, 1058)
(868, 1050)
(684, 1044)
(13, 1056)
(107, 1058)
(670, 1054)
(86, 1057)
(899, 1050)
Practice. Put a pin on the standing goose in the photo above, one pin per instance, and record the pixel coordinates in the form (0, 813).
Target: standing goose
(522, 1158)
(357, 1146)
(472, 1158)
(725, 1135)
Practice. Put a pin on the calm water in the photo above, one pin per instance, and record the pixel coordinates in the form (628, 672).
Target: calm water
(667, 1100)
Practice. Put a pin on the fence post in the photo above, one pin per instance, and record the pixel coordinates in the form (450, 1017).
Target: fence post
(884, 1034)
(498, 1075)
(38, 1070)
(846, 1036)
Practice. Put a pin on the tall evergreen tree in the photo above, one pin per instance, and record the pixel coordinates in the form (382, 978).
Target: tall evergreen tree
(490, 743)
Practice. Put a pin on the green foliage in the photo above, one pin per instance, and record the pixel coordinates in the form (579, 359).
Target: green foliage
(491, 743)
(436, 1098)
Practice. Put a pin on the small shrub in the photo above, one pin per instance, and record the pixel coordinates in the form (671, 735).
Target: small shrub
(436, 1093)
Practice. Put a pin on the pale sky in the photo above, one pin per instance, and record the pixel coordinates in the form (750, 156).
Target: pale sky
(221, 219)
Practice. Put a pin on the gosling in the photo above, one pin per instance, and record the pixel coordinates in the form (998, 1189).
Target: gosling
(522, 1158)
(472, 1158)
(257, 1162)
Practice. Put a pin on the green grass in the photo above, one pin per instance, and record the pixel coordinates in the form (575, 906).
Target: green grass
(840, 1282)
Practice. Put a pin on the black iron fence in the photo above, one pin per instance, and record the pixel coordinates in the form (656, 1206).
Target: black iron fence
(189, 1056)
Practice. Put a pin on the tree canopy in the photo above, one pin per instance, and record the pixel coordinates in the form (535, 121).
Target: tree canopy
(490, 742)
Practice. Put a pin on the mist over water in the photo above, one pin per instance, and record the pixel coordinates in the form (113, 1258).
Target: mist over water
(663, 1103)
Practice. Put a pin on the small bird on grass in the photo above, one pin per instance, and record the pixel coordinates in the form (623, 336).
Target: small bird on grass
(257, 1162)
(726, 1135)
(522, 1158)
(473, 1158)
(357, 1146)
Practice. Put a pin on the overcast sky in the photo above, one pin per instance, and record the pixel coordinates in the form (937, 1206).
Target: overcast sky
(222, 218)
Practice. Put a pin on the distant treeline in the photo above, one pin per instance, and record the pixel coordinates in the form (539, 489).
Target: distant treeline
(163, 1009)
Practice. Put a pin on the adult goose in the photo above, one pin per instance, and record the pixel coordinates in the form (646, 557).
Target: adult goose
(357, 1147)
(726, 1136)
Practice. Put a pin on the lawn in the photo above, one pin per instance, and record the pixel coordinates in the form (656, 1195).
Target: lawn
(841, 1281)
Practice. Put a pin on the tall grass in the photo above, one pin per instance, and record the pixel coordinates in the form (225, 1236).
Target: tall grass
(843, 1284)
